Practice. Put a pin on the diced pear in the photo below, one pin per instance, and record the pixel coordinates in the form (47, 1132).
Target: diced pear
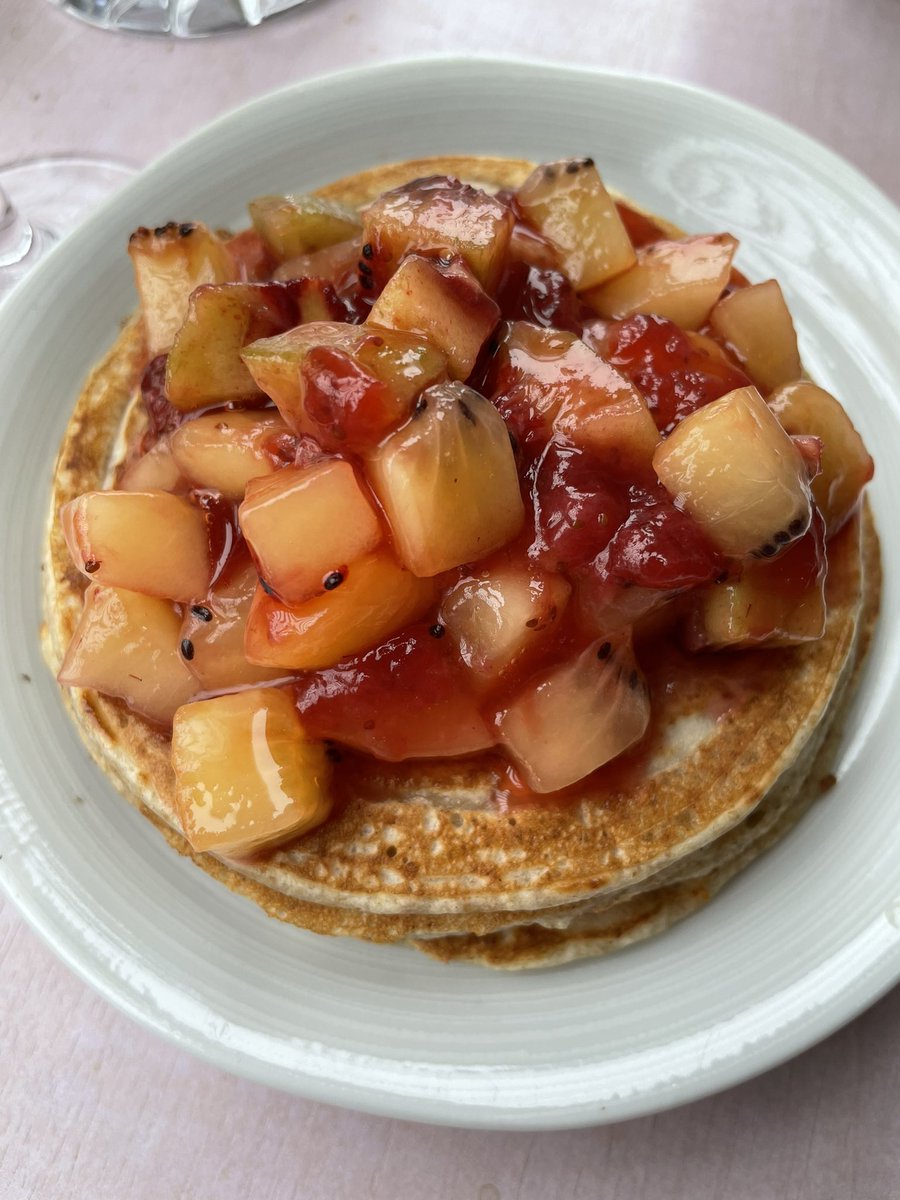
(755, 323)
(154, 471)
(255, 261)
(224, 450)
(337, 264)
(247, 776)
(567, 202)
(294, 225)
(448, 482)
(680, 280)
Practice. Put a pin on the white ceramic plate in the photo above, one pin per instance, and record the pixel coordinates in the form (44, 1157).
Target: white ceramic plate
(796, 946)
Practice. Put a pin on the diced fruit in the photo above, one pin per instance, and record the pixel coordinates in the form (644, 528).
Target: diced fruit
(214, 633)
(375, 598)
(756, 325)
(577, 716)
(528, 246)
(356, 703)
(443, 214)
(567, 202)
(255, 261)
(680, 280)
(641, 229)
(540, 295)
(247, 774)
(224, 450)
(738, 474)
(148, 542)
(336, 264)
(292, 225)
(127, 645)
(169, 262)
(576, 508)
(443, 302)
(156, 470)
(498, 617)
(205, 366)
(306, 525)
(448, 482)
(362, 390)
(161, 416)
(846, 467)
(778, 603)
(675, 371)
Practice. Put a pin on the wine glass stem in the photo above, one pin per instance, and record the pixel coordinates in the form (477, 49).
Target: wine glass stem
(16, 235)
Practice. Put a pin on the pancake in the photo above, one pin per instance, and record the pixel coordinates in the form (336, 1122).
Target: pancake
(423, 851)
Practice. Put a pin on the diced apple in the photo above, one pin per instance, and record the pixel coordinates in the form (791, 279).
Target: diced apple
(567, 202)
(224, 450)
(127, 645)
(375, 598)
(448, 482)
(846, 466)
(443, 214)
(576, 716)
(169, 262)
(306, 525)
(499, 616)
(148, 542)
(336, 264)
(680, 280)
(254, 259)
(739, 475)
(755, 323)
(247, 775)
(526, 245)
(442, 302)
(293, 225)
(154, 471)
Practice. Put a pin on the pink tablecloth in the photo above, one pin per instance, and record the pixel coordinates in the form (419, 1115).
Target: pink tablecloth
(93, 1108)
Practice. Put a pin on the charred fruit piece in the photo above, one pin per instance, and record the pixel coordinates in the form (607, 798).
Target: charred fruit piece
(738, 474)
(356, 702)
(374, 598)
(448, 481)
(127, 645)
(148, 542)
(247, 774)
(169, 262)
(567, 203)
(442, 301)
(680, 280)
(577, 509)
(577, 716)
(293, 225)
(499, 616)
(224, 450)
(306, 525)
(755, 323)
(438, 213)
(846, 466)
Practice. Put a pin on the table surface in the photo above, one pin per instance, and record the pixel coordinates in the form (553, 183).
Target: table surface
(91, 1106)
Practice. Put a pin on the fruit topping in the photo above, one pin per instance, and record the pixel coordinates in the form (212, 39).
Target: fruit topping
(156, 470)
(127, 645)
(567, 203)
(247, 774)
(149, 542)
(755, 323)
(223, 450)
(292, 225)
(447, 480)
(680, 280)
(253, 258)
(575, 717)
(302, 524)
(337, 265)
(540, 295)
(739, 475)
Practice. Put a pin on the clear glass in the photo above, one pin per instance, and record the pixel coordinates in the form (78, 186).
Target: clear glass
(43, 198)
(178, 18)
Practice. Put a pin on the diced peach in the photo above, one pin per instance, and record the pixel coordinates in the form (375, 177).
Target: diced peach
(448, 482)
(127, 645)
(224, 450)
(499, 616)
(292, 225)
(755, 323)
(148, 542)
(375, 598)
(154, 471)
(443, 214)
(846, 466)
(247, 776)
(734, 469)
(443, 302)
(567, 202)
(306, 525)
(680, 280)
(169, 262)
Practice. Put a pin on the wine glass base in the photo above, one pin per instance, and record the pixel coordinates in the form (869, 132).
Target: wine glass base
(43, 198)
(176, 18)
